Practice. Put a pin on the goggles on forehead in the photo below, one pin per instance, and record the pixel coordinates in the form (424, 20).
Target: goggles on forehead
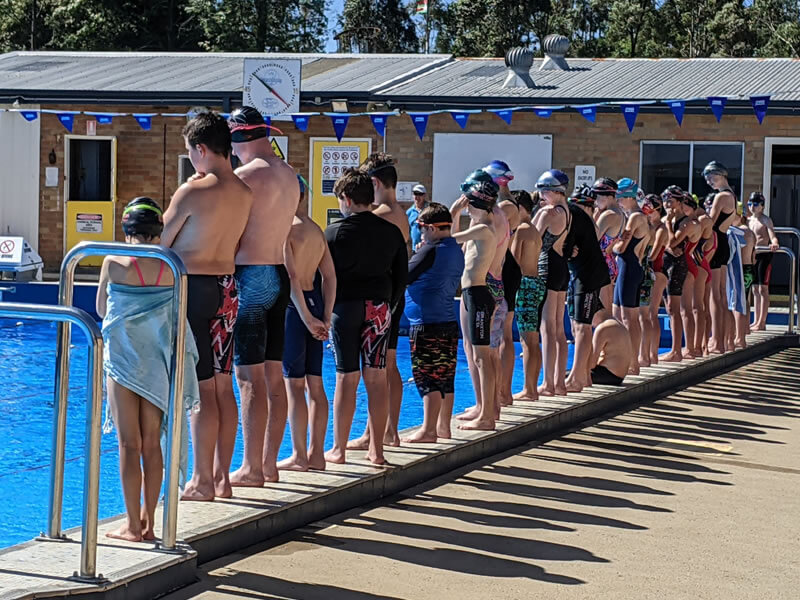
(442, 224)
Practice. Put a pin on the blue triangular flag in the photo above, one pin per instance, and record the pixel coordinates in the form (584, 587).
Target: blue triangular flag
(66, 120)
(420, 121)
(630, 112)
(104, 119)
(339, 125)
(461, 118)
(379, 123)
(505, 114)
(677, 107)
(760, 105)
(144, 121)
(717, 105)
(588, 112)
(29, 115)
(543, 112)
(300, 121)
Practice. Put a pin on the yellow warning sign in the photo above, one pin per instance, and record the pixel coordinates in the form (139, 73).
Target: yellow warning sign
(280, 146)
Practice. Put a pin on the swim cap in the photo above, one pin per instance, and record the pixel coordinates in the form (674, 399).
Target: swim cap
(584, 196)
(554, 180)
(482, 195)
(605, 186)
(690, 201)
(672, 192)
(246, 125)
(715, 168)
(627, 188)
(479, 176)
(757, 198)
(500, 172)
(142, 216)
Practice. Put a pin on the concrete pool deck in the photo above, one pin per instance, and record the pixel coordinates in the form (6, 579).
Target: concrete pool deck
(41, 568)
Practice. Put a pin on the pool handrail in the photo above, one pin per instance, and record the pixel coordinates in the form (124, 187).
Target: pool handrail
(792, 278)
(94, 412)
(175, 416)
(796, 233)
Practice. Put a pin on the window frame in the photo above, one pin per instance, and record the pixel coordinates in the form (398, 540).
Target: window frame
(691, 144)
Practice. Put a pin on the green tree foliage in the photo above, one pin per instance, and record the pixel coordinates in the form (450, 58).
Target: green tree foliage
(377, 26)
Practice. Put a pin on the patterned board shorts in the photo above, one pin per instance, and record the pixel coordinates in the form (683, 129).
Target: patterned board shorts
(530, 300)
(434, 354)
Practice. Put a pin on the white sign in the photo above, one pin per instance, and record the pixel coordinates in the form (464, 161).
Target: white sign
(405, 191)
(91, 127)
(280, 146)
(10, 250)
(335, 159)
(51, 176)
(272, 86)
(89, 223)
(584, 175)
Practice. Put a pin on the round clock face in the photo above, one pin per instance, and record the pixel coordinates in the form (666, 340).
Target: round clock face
(271, 87)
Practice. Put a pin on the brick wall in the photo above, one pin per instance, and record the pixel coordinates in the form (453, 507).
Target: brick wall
(147, 165)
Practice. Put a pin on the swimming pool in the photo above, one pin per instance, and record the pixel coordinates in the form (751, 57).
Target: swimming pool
(27, 357)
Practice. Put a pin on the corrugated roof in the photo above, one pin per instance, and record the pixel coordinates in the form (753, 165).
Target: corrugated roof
(196, 73)
(611, 80)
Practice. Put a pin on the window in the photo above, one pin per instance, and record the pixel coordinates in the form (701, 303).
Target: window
(185, 169)
(681, 163)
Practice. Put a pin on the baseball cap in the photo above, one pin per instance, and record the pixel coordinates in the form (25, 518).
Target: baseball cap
(419, 189)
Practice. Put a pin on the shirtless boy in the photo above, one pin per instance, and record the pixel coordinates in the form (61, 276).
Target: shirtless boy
(381, 168)
(762, 226)
(477, 302)
(525, 247)
(192, 228)
(613, 353)
(263, 297)
(308, 321)
(371, 262)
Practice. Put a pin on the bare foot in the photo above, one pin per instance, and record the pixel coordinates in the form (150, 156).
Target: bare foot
(293, 463)
(148, 533)
(574, 386)
(740, 345)
(545, 391)
(470, 414)
(420, 437)
(391, 439)
(633, 370)
(361, 443)
(561, 390)
(672, 357)
(506, 400)
(271, 473)
(222, 488)
(316, 463)
(377, 459)
(335, 456)
(443, 432)
(654, 360)
(478, 424)
(759, 328)
(526, 396)
(125, 533)
(197, 493)
(644, 362)
(246, 478)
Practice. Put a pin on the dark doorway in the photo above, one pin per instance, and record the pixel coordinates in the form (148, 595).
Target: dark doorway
(90, 170)
(785, 204)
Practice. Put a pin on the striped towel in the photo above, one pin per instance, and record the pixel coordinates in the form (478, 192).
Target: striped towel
(737, 299)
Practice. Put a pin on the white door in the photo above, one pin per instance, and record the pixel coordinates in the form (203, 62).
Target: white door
(456, 155)
(19, 174)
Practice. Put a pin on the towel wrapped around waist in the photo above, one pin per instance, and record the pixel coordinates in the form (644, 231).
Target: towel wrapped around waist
(737, 298)
(138, 335)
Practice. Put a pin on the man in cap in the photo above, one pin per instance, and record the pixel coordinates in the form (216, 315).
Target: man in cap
(263, 297)
(420, 202)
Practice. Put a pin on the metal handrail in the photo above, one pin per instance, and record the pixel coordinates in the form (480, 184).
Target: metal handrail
(796, 233)
(792, 278)
(94, 412)
(175, 410)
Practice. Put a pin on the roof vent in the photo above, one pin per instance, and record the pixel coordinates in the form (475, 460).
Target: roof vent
(519, 62)
(555, 47)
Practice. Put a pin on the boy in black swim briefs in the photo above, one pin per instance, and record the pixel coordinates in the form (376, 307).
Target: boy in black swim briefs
(371, 262)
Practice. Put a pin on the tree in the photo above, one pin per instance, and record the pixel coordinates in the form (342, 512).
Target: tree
(377, 26)
(776, 26)
(629, 21)
(24, 25)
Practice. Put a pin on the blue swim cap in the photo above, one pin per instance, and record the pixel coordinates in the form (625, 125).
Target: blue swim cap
(500, 172)
(627, 188)
(553, 180)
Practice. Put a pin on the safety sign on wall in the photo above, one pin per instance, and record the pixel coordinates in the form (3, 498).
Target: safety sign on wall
(328, 160)
(89, 223)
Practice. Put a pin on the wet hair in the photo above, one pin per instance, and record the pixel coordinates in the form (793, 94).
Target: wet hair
(143, 218)
(536, 198)
(211, 130)
(437, 214)
(381, 166)
(523, 199)
(356, 184)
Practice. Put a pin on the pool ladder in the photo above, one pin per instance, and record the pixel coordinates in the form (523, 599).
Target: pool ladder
(66, 315)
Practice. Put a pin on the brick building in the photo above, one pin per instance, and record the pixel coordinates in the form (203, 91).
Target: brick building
(115, 162)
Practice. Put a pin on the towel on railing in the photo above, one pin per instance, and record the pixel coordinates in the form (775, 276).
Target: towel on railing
(737, 299)
(138, 334)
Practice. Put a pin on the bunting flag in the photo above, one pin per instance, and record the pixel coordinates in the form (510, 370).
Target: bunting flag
(760, 105)
(587, 112)
(339, 124)
(460, 117)
(504, 113)
(104, 119)
(717, 105)
(678, 107)
(379, 123)
(29, 115)
(630, 112)
(144, 120)
(66, 119)
(545, 112)
(420, 121)
(301, 121)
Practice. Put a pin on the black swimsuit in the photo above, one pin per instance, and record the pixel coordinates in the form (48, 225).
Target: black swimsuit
(552, 265)
(723, 253)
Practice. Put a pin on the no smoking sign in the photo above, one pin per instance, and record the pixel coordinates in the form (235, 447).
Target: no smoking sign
(7, 246)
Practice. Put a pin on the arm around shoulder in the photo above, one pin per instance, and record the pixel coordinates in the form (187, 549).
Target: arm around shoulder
(176, 214)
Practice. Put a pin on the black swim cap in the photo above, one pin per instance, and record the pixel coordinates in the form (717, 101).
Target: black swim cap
(757, 198)
(247, 124)
(142, 216)
(483, 194)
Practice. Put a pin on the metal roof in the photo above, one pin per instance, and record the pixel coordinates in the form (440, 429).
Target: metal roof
(590, 80)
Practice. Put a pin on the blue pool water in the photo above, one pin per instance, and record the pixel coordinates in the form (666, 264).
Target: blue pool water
(27, 360)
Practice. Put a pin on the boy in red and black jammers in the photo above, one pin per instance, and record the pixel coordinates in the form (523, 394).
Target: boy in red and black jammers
(371, 264)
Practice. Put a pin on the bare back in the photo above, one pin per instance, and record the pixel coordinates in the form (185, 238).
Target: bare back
(724, 203)
(276, 194)
(526, 246)
(205, 221)
(307, 243)
(396, 216)
(612, 347)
